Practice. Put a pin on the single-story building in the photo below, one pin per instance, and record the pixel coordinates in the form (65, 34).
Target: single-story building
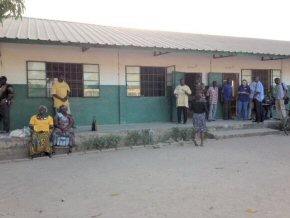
(123, 75)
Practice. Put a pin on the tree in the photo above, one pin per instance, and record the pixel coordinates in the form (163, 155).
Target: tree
(11, 8)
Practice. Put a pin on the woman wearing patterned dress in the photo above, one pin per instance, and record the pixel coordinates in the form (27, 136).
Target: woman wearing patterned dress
(41, 125)
(199, 124)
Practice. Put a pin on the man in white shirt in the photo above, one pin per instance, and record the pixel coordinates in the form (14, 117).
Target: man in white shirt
(281, 93)
(182, 92)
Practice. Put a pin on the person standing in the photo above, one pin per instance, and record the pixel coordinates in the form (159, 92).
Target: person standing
(227, 97)
(182, 92)
(281, 93)
(251, 114)
(6, 95)
(212, 93)
(258, 97)
(199, 124)
(60, 93)
(243, 100)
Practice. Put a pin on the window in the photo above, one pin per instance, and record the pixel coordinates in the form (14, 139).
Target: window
(83, 79)
(36, 75)
(146, 81)
(133, 81)
(266, 77)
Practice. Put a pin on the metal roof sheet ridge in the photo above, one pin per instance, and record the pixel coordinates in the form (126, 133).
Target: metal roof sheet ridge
(54, 31)
(124, 35)
(9, 27)
(82, 35)
(87, 27)
(109, 39)
(174, 41)
(146, 38)
(45, 23)
(165, 31)
(71, 34)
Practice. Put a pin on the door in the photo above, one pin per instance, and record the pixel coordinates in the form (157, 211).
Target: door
(176, 77)
(192, 80)
(221, 79)
(235, 84)
(170, 88)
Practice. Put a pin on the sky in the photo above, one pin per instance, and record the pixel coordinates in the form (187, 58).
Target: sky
(268, 19)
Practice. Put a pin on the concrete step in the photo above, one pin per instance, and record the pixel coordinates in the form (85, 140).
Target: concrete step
(224, 134)
(237, 125)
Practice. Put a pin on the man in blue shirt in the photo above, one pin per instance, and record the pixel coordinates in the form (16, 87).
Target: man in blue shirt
(227, 97)
(258, 97)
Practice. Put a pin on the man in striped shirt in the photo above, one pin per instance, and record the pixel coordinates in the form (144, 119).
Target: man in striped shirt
(212, 93)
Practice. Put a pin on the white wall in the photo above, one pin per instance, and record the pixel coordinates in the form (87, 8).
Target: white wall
(14, 57)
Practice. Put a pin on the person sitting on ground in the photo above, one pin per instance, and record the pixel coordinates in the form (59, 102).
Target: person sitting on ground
(41, 125)
(63, 134)
(199, 120)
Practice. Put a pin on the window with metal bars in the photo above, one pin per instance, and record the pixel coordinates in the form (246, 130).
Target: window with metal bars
(145, 81)
(83, 79)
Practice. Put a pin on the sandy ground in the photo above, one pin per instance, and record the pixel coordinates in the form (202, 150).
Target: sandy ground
(237, 178)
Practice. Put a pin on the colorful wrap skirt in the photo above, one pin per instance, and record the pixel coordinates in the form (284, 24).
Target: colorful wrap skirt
(40, 143)
(63, 138)
(199, 123)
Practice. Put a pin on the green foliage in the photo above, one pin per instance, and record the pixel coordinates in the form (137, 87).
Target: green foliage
(164, 137)
(143, 137)
(102, 142)
(89, 144)
(112, 141)
(132, 138)
(146, 137)
(11, 8)
(139, 138)
(184, 134)
(175, 134)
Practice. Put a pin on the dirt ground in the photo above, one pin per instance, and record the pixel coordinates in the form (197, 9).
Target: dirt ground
(233, 178)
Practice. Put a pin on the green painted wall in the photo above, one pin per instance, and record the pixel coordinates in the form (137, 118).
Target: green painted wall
(107, 107)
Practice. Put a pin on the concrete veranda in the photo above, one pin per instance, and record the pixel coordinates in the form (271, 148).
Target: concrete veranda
(232, 178)
(167, 125)
(16, 148)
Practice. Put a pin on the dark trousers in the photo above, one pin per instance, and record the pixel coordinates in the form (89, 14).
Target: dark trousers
(5, 116)
(179, 111)
(258, 111)
(227, 110)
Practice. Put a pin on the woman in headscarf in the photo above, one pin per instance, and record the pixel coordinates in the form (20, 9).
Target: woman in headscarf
(63, 134)
(41, 124)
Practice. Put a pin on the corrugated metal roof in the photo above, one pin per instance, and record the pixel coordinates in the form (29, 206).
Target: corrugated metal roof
(80, 33)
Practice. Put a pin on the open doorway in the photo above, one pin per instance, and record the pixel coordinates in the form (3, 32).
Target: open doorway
(221, 79)
(234, 77)
(191, 79)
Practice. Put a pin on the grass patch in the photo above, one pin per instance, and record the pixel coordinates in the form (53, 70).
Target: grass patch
(102, 142)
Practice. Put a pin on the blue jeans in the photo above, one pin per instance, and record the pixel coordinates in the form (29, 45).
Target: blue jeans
(243, 107)
(212, 111)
